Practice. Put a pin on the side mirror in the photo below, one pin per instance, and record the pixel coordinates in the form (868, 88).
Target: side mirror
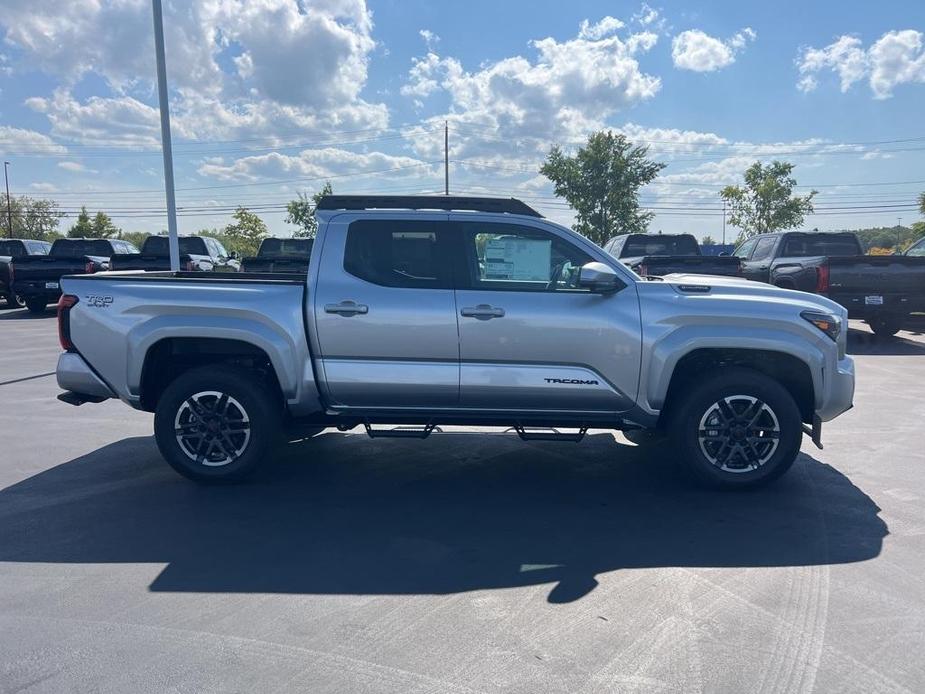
(600, 278)
(233, 255)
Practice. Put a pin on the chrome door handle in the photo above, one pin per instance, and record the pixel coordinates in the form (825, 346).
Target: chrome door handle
(482, 311)
(346, 308)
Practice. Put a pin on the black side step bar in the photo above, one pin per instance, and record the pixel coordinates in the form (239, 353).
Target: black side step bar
(549, 434)
(403, 433)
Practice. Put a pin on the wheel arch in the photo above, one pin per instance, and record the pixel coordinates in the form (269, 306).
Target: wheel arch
(168, 358)
(793, 373)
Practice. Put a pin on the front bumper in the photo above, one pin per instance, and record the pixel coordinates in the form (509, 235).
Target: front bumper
(838, 395)
(76, 376)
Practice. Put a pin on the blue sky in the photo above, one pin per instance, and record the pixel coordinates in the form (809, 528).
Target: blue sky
(271, 97)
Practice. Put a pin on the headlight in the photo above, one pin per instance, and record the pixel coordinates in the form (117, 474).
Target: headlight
(826, 322)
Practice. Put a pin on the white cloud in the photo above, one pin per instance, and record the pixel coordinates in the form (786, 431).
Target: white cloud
(310, 163)
(607, 26)
(700, 52)
(430, 38)
(569, 88)
(12, 139)
(75, 166)
(649, 18)
(121, 120)
(896, 58)
(287, 63)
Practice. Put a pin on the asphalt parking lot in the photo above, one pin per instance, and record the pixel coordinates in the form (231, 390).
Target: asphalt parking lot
(466, 562)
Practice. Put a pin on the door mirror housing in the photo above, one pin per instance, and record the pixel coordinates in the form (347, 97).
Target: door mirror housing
(233, 255)
(600, 278)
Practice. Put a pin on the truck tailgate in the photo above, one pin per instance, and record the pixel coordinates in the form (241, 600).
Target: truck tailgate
(877, 274)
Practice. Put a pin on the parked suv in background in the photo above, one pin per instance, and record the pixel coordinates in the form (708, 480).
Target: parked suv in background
(16, 248)
(422, 311)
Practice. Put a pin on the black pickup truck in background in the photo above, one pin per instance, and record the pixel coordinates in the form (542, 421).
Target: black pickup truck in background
(663, 254)
(36, 278)
(16, 248)
(280, 255)
(197, 254)
(884, 290)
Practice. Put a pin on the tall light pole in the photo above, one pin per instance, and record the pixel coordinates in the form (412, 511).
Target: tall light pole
(446, 157)
(172, 242)
(9, 203)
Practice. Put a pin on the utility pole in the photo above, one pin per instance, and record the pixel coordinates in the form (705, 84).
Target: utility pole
(446, 157)
(9, 203)
(172, 241)
(898, 219)
(724, 221)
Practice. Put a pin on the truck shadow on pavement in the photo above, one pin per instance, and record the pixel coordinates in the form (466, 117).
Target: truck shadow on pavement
(861, 342)
(23, 314)
(342, 514)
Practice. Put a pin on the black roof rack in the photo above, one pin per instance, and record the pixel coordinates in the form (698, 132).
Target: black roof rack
(425, 202)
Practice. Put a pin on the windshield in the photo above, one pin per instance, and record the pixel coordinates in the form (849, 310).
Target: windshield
(821, 244)
(160, 245)
(660, 245)
(918, 250)
(300, 248)
(70, 248)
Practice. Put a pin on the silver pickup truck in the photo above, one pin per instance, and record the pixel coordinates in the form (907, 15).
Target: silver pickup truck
(426, 311)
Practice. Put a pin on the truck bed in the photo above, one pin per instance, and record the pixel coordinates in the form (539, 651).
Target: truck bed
(658, 265)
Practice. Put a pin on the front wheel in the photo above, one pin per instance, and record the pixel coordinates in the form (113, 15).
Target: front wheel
(737, 429)
(884, 326)
(215, 424)
(36, 304)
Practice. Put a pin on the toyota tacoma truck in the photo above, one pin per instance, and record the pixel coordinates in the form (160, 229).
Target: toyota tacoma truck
(197, 254)
(883, 290)
(424, 311)
(663, 254)
(36, 278)
(280, 255)
(16, 248)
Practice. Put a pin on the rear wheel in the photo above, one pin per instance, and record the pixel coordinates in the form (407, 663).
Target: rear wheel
(36, 304)
(14, 301)
(215, 424)
(737, 429)
(885, 326)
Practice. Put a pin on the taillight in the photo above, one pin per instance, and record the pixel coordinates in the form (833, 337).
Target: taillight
(643, 270)
(822, 279)
(65, 304)
(190, 266)
(10, 266)
(90, 267)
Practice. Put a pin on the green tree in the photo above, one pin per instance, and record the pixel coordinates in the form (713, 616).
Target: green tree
(301, 212)
(245, 234)
(104, 227)
(136, 238)
(922, 203)
(83, 227)
(601, 183)
(709, 241)
(766, 202)
(32, 218)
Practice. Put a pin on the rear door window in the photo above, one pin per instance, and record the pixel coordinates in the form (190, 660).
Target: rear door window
(819, 244)
(400, 253)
